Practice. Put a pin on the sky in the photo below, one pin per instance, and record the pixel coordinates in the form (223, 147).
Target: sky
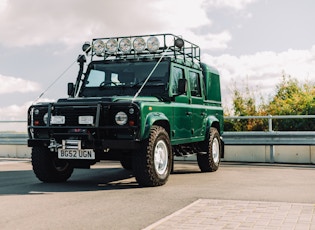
(252, 43)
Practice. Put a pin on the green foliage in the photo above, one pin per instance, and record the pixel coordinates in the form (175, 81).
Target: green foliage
(291, 98)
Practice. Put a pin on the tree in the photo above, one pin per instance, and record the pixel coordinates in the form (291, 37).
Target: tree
(290, 98)
(293, 99)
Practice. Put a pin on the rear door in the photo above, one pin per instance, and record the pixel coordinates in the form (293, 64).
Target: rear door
(197, 107)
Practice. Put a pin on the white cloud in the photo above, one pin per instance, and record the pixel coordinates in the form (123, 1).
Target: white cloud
(234, 4)
(41, 22)
(12, 84)
(262, 71)
(14, 112)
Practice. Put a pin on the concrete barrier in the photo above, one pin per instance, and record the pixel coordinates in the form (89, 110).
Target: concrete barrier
(237, 153)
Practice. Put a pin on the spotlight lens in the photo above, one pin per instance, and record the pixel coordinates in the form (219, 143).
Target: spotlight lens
(139, 45)
(99, 47)
(112, 45)
(153, 44)
(125, 45)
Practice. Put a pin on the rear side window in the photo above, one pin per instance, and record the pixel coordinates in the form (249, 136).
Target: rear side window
(194, 79)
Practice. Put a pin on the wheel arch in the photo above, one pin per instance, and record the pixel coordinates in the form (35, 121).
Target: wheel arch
(156, 119)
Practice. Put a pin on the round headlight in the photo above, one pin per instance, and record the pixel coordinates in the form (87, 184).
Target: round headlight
(125, 45)
(153, 44)
(112, 45)
(139, 44)
(45, 118)
(121, 118)
(99, 47)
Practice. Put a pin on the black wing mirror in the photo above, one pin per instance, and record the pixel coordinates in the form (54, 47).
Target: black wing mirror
(70, 89)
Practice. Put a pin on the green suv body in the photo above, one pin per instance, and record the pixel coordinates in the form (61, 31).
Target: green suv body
(141, 100)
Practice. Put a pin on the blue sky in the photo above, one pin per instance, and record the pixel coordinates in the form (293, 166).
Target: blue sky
(251, 42)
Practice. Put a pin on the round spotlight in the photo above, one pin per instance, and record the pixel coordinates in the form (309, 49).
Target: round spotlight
(99, 47)
(125, 45)
(153, 44)
(139, 45)
(179, 43)
(112, 45)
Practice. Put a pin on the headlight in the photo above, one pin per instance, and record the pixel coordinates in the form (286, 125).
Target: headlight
(112, 45)
(125, 45)
(139, 44)
(121, 118)
(153, 44)
(99, 47)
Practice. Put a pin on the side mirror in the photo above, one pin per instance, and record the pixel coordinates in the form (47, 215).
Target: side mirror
(70, 89)
(182, 86)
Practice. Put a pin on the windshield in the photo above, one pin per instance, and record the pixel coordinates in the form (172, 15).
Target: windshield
(125, 78)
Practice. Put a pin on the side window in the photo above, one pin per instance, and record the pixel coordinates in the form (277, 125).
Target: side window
(195, 89)
(178, 73)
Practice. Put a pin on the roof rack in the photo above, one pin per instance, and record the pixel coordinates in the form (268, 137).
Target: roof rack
(144, 46)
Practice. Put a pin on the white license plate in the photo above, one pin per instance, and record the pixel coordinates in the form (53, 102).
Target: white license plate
(86, 154)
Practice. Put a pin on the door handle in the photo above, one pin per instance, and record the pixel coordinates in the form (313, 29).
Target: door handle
(188, 113)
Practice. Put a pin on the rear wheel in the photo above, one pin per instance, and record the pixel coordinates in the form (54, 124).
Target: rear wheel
(210, 160)
(152, 165)
(48, 168)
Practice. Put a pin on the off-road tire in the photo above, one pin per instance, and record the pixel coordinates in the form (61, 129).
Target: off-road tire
(152, 165)
(210, 160)
(48, 168)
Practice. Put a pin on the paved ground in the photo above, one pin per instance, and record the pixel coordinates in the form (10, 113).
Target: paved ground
(237, 196)
(236, 214)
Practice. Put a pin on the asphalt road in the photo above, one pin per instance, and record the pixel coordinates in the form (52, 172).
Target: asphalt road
(108, 197)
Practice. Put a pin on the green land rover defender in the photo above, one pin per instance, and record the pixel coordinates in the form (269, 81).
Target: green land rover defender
(141, 100)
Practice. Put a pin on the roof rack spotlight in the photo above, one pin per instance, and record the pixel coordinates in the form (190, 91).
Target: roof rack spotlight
(125, 45)
(99, 47)
(179, 42)
(139, 44)
(112, 45)
(153, 44)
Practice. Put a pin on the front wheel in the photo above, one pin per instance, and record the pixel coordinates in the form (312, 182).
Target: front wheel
(153, 164)
(210, 160)
(48, 168)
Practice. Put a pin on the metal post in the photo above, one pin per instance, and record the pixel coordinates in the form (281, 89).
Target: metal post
(272, 160)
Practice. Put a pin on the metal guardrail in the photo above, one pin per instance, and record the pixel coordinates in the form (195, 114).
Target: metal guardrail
(230, 138)
(269, 138)
(13, 138)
